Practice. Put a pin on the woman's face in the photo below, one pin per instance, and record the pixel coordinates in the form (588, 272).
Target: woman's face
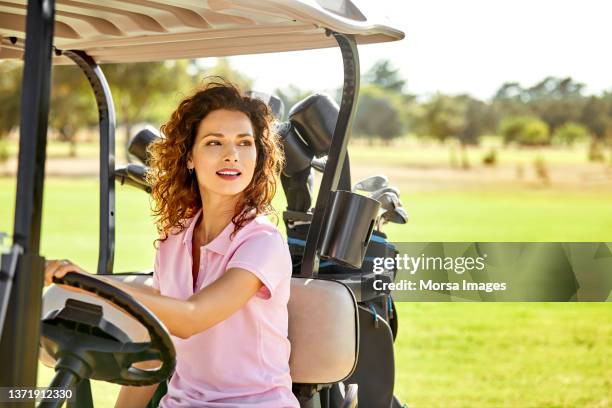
(224, 153)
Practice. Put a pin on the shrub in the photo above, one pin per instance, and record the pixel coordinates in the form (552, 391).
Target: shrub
(535, 134)
(490, 158)
(524, 130)
(511, 127)
(570, 133)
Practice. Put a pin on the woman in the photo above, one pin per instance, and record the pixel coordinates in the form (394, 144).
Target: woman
(222, 269)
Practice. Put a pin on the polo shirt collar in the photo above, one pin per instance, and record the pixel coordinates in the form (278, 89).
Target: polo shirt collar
(221, 242)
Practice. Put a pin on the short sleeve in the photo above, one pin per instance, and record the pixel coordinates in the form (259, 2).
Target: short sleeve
(156, 271)
(265, 254)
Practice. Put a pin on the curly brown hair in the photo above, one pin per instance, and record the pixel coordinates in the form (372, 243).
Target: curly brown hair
(175, 192)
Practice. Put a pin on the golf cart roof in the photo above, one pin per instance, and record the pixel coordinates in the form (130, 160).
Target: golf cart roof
(150, 30)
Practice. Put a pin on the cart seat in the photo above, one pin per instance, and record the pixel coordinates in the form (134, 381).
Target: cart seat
(323, 326)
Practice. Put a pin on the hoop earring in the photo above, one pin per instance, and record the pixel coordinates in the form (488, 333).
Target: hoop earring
(190, 170)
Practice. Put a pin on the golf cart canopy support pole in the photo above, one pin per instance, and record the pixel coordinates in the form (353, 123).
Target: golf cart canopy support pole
(106, 111)
(336, 154)
(21, 332)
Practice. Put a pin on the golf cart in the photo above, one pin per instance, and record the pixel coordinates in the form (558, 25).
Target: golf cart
(334, 320)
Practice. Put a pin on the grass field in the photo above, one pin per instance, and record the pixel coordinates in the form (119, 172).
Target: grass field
(447, 354)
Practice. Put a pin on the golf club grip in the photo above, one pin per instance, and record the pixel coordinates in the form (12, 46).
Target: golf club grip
(134, 179)
(138, 145)
(137, 173)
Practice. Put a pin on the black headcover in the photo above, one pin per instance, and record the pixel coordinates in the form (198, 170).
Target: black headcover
(315, 119)
(137, 146)
(297, 155)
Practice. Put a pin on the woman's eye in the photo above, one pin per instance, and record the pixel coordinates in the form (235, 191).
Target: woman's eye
(217, 143)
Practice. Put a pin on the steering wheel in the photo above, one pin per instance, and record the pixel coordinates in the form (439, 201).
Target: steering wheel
(83, 341)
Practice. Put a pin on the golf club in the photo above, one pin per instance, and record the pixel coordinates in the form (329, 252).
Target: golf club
(388, 201)
(318, 163)
(372, 183)
(388, 189)
(397, 216)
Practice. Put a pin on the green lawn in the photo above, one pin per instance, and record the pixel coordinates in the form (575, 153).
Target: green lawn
(447, 354)
(505, 215)
(411, 151)
(504, 355)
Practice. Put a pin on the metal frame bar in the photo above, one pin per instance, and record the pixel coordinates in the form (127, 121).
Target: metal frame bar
(337, 152)
(19, 342)
(106, 111)
(106, 248)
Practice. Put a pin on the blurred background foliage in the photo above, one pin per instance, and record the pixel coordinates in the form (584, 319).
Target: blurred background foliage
(142, 92)
(552, 111)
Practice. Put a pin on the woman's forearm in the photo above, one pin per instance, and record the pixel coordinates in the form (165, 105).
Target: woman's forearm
(176, 314)
(126, 286)
(208, 307)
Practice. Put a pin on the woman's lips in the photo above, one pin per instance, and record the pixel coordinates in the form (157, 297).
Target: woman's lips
(225, 177)
(228, 177)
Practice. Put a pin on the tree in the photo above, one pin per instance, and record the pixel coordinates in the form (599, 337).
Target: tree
(511, 127)
(510, 91)
(535, 133)
(385, 76)
(378, 114)
(524, 130)
(554, 88)
(554, 100)
(443, 117)
(569, 133)
(147, 91)
(72, 104)
(596, 115)
(10, 95)
(150, 91)
(480, 119)
(556, 112)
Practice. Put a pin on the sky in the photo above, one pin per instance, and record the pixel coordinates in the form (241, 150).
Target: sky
(465, 46)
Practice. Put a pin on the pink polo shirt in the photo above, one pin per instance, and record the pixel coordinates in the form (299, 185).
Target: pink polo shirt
(244, 360)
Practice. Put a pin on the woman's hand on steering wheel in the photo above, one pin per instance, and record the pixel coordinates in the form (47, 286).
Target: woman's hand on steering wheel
(119, 354)
(58, 268)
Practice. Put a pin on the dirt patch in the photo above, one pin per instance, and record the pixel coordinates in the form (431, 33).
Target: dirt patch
(421, 178)
(58, 167)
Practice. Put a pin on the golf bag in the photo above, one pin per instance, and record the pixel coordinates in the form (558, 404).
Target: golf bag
(308, 134)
